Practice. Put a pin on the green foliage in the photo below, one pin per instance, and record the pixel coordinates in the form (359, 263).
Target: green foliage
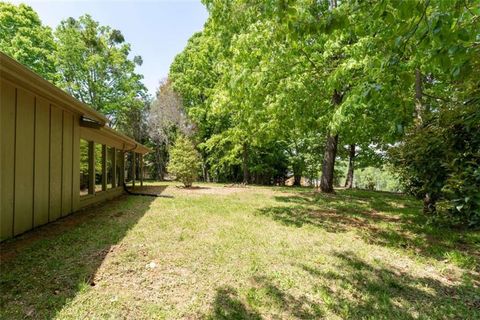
(462, 186)
(184, 161)
(24, 38)
(94, 63)
(439, 156)
(266, 81)
(166, 119)
(381, 179)
(442, 158)
(89, 61)
(265, 73)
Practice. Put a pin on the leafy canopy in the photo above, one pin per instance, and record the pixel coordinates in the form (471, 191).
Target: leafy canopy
(24, 38)
(93, 61)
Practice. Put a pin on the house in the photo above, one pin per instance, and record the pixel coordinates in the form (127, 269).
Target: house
(57, 154)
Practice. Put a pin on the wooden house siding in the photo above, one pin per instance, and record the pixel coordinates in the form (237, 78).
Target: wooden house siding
(40, 136)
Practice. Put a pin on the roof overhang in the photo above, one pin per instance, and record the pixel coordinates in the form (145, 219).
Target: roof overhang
(93, 124)
(130, 144)
(17, 73)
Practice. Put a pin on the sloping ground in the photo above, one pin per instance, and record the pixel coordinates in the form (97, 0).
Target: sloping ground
(243, 253)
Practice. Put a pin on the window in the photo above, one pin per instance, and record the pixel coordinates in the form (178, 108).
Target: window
(128, 172)
(99, 157)
(118, 165)
(137, 166)
(85, 154)
(110, 169)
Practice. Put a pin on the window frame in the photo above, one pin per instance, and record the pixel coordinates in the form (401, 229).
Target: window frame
(90, 167)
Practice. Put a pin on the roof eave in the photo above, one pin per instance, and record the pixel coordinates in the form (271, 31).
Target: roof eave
(16, 72)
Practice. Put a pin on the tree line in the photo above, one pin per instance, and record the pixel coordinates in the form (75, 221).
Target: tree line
(293, 86)
(275, 88)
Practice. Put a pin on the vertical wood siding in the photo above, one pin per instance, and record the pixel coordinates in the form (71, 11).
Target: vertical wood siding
(56, 135)
(24, 161)
(39, 161)
(76, 164)
(42, 160)
(67, 161)
(7, 154)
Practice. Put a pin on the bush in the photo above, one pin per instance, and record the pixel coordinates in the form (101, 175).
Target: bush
(441, 159)
(184, 161)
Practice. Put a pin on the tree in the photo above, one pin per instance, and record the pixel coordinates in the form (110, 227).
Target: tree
(166, 119)
(95, 67)
(24, 38)
(363, 74)
(184, 161)
(440, 50)
(351, 164)
(193, 74)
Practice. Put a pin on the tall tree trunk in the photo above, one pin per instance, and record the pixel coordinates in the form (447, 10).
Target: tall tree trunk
(297, 174)
(206, 175)
(328, 166)
(429, 201)
(351, 163)
(297, 179)
(159, 162)
(418, 97)
(245, 163)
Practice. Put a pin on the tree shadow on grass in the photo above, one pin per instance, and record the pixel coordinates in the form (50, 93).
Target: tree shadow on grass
(45, 268)
(301, 307)
(228, 305)
(381, 218)
(352, 288)
(358, 290)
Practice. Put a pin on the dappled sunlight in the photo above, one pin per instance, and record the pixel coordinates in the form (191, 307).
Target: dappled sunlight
(386, 219)
(260, 253)
(373, 283)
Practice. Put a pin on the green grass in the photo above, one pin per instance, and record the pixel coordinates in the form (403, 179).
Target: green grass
(244, 253)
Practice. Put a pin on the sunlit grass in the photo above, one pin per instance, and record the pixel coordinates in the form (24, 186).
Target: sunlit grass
(244, 253)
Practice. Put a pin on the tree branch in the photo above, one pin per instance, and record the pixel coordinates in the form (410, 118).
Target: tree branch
(433, 97)
(412, 33)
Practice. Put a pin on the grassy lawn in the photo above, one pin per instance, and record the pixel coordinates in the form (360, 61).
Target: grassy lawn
(243, 253)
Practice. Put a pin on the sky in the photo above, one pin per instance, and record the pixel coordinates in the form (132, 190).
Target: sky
(156, 29)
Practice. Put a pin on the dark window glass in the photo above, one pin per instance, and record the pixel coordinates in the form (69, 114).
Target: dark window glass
(98, 167)
(119, 168)
(84, 167)
(128, 173)
(110, 168)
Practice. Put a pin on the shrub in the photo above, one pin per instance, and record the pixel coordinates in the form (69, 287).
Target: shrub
(184, 161)
(441, 159)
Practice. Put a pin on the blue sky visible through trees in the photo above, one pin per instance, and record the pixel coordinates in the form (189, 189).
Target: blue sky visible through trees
(157, 30)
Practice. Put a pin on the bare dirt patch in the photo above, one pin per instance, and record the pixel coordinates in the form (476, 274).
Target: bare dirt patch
(148, 190)
(210, 190)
